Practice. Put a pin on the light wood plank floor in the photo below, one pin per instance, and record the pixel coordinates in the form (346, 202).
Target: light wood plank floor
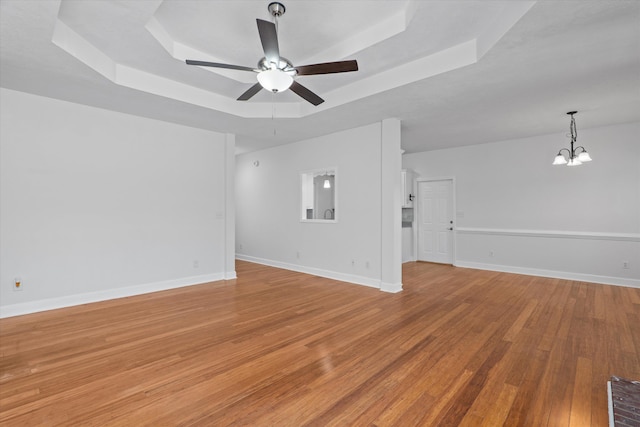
(458, 347)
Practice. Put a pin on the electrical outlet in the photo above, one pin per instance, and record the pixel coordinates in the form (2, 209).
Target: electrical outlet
(366, 264)
(353, 263)
(17, 284)
(491, 254)
(240, 246)
(625, 265)
(196, 264)
(298, 255)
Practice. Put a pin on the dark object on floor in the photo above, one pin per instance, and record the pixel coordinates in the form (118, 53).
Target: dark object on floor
(624, 402)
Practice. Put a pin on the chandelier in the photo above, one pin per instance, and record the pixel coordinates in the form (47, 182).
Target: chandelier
(574, 156)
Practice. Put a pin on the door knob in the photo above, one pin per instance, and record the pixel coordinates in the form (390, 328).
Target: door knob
(450, 228)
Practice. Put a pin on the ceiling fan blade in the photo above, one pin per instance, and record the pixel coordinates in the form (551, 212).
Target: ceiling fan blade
(250, 92)
(269, 39)
(328, 68)
(306, 93)
(218, 65)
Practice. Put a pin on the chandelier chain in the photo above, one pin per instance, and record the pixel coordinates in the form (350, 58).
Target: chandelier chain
(573, 129)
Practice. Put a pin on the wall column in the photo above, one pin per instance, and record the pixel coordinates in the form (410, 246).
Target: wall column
(391, 212)
(230, 207)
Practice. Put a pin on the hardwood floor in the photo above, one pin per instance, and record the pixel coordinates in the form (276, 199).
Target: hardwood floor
(458, 347)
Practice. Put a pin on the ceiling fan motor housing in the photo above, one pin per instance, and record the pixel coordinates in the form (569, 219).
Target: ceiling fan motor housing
(284, 64)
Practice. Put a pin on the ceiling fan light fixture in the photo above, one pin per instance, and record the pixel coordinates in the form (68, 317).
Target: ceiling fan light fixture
(275, 80)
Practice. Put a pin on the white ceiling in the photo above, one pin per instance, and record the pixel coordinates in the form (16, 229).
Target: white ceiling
(455, 72)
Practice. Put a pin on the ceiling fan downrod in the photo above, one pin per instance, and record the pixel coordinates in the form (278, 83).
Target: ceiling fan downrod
(276, 9)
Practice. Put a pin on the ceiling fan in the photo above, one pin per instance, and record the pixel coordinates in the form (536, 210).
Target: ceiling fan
(276, 73)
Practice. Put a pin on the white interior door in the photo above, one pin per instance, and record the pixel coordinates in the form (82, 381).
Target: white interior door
(435, 221)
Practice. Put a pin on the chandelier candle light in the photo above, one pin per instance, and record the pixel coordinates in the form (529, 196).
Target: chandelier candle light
(576, 156)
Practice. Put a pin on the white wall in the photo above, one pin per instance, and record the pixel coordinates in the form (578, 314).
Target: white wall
(407, 244)
(580, 223)
(96, 204)
(268, 226)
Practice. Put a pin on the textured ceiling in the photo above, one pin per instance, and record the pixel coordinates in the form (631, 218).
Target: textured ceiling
(455, 72)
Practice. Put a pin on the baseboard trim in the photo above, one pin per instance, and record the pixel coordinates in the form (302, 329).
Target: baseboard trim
(90, 297)
(392, 288)
(349, 278)
(581, 277)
